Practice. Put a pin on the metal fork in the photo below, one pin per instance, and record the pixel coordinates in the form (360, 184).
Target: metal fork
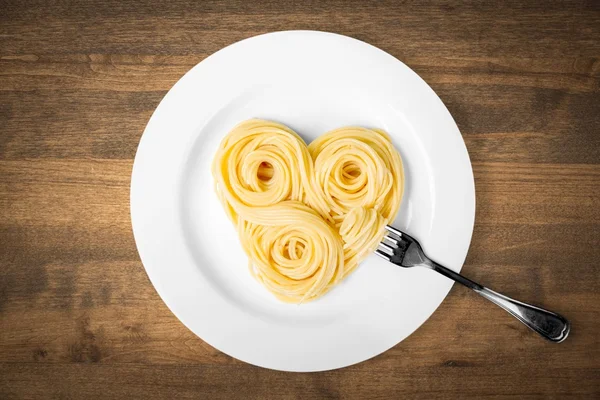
(399, 248)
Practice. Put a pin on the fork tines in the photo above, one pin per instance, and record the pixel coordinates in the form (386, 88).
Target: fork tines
(385, 250)
(393, 230)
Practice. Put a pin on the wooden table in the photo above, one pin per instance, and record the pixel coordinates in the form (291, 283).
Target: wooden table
(78, 83)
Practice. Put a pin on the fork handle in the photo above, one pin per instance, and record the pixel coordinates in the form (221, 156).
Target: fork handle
(550, 325)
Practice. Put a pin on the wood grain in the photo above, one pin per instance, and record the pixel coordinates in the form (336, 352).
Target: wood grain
(78, 83)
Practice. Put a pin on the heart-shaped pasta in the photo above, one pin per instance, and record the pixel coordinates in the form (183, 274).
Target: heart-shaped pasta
(306, 216)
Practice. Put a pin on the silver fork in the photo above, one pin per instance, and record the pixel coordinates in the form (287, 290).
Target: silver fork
(399, 248)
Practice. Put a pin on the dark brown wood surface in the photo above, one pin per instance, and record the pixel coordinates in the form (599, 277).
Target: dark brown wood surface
(78, 83)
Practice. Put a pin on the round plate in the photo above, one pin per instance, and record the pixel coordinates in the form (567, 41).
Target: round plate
(312, 82)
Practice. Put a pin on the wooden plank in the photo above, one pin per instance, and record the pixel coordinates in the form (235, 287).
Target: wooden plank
(51, 191)
(141, 72)
(414, 28)
(225, 382)
(509, 124)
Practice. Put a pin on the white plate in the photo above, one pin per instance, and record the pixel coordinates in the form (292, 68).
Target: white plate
(312, 82)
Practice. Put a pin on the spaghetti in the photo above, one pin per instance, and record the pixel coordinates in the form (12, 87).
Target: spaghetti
(307, 215)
